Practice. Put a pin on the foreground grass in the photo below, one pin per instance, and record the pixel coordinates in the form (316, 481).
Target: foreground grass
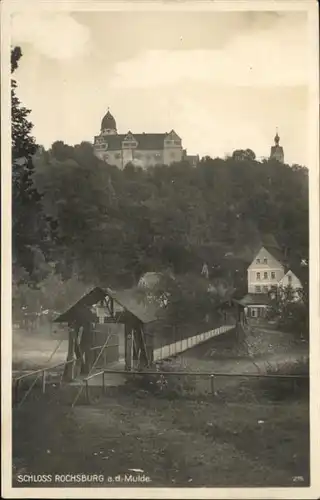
(176, 443)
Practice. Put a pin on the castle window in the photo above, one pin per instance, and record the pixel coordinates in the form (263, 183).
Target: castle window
(258, 289)
(258, 276)
(273, 275)
(265, 276)
(129, 144)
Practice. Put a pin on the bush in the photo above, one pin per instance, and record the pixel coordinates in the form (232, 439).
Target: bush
(291, 388)
(170, 386)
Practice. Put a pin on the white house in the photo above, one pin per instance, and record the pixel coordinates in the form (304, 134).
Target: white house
(290, 279)
(266, 270)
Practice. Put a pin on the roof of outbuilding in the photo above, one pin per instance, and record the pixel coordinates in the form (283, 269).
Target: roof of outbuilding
(132, 300)
(135, 302)
(254, 299)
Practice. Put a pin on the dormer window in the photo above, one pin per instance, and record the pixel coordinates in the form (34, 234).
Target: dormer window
(289, 278)
(265, 260)
(257, 261)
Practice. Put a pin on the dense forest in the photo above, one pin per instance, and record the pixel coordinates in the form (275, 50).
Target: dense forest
(78, 220)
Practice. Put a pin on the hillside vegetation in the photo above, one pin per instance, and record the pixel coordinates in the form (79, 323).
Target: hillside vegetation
(77, 218)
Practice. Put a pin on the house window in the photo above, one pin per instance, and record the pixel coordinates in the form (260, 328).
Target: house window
(257, 261)
(265, 289)
(265, 276)
(289, 278)
(265, 260)
(258, 289)
(273, 275)
(253, 313)
(258, 276)
(177, 143)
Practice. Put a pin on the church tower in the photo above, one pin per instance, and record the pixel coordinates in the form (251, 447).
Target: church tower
(108, 124)
(276, 150)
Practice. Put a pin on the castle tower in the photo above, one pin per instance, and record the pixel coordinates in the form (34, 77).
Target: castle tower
(276, 150)
(108, 124)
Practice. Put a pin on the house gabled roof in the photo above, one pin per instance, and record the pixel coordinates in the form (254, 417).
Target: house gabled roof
(276, 253)
(302, 273)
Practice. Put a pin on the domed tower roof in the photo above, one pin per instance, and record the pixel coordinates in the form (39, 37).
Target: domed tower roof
(277, 138)
(108, 122)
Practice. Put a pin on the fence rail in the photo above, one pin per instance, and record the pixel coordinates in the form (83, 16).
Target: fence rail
(212, 376)
(198, 374)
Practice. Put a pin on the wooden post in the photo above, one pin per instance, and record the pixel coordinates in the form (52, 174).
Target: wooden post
(69, 368)
(128, 347)
(212, 384)
(43, 381)
(87, 392)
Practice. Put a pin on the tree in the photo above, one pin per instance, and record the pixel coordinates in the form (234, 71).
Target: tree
(290, 308)
(30, 228)
(115, 225)
(243, 155)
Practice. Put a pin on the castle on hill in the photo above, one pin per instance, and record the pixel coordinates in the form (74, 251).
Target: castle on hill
(144, 150)
(148, 149)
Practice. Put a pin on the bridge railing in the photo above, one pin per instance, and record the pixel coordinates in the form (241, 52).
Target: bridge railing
(182, 345)
(42, 373)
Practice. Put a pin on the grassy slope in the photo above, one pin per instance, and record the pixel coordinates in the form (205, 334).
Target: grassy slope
(177, 443)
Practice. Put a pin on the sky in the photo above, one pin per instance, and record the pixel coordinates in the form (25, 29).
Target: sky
(221, 80)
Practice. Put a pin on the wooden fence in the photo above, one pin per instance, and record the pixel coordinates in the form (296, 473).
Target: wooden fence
(206, 375)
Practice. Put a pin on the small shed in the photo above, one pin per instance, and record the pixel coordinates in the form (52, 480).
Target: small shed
(254, 305)
(108, 325)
